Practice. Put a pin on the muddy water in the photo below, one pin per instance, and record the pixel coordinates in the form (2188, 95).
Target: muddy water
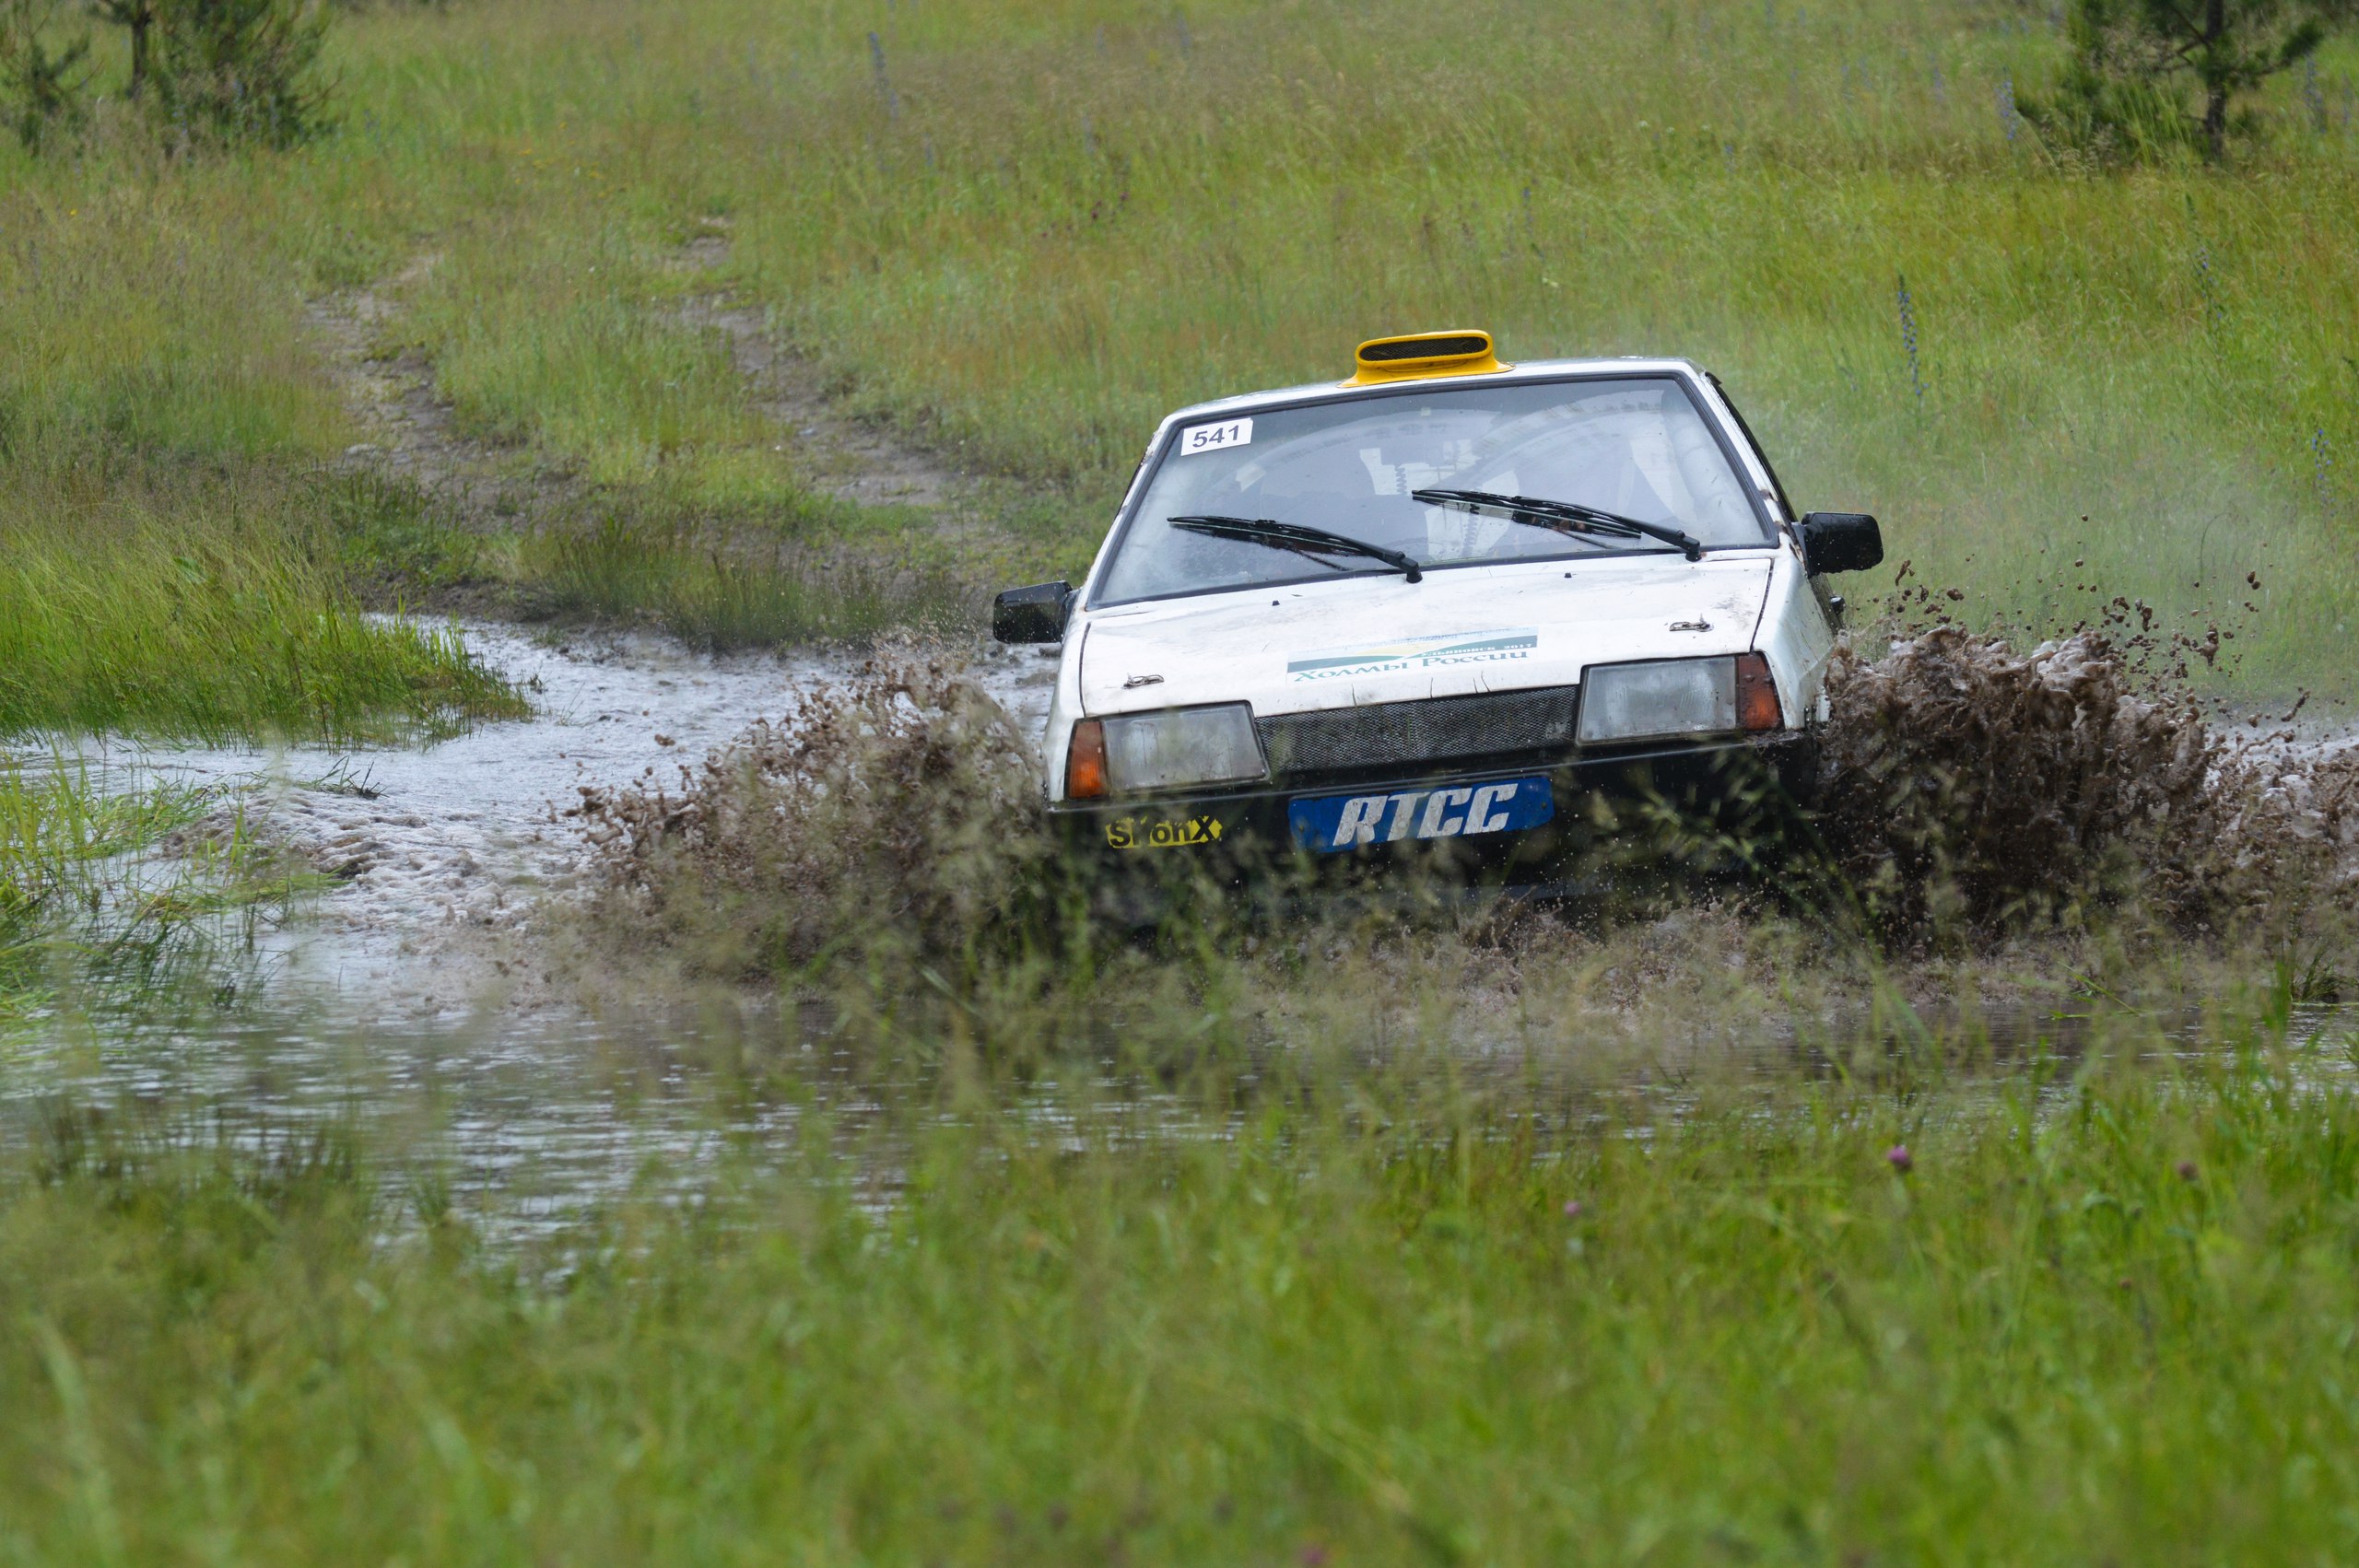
(440, 847)
(406, 990)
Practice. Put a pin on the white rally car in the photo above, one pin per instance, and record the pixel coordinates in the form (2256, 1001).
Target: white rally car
(1438, 607)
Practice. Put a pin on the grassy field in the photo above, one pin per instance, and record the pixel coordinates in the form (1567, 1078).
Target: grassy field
(1333, 1304)
(1333, 1245)
(1022, 236)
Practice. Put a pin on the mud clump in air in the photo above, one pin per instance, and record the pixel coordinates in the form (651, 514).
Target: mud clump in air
(894, 817)
(1968, 789)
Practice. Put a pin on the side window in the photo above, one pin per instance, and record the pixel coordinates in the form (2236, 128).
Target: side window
(1759, 451)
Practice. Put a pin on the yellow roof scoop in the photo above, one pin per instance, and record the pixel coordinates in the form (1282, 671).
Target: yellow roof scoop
(1424, 354)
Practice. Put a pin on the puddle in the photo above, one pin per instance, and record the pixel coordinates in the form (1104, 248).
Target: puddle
(402, 996)
(526, 1122)
(443, 850)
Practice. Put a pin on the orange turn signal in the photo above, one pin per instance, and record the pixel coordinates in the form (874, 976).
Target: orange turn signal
(1756, 694)
(1086, 761)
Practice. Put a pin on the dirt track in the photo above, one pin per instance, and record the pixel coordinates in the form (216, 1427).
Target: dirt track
(445, 854)
(413, 431)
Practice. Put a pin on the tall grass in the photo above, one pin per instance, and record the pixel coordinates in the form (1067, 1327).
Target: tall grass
(1397, 1312)
(1063, 222)
(720, 585)
(1026, 234)
(597, 370)
(164, 568)
(90, 907)
(189, 604)
(165, 565)
(139, 318)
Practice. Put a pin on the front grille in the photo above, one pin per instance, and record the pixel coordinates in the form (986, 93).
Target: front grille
(1441, 729)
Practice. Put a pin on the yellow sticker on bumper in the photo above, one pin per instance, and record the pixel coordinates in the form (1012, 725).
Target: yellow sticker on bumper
(1148, 833)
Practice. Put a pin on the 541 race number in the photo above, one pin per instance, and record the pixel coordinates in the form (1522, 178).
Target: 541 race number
(1216, 437)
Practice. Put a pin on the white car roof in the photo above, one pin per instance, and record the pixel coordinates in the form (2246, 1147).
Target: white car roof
(1527, 370)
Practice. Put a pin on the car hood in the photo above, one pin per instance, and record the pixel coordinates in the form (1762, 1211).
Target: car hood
(1341, 643)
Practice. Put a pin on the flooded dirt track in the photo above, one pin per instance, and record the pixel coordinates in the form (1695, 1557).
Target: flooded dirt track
(545, 1113)
(406, 995)
(444, 849)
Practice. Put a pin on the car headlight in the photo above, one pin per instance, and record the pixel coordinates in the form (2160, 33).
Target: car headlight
(1157, 751)
(1663, 698)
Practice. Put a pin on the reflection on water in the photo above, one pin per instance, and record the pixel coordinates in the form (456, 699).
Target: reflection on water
(547, 1110)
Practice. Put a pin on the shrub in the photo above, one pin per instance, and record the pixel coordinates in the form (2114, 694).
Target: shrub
(241, 70)
(2122, 94)
(40, 84)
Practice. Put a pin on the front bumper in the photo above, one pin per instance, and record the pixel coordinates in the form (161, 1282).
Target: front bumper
(1604, 802)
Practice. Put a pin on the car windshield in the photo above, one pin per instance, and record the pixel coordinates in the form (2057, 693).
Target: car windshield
(1637, 447)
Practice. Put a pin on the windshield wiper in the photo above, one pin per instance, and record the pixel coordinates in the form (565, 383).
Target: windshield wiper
(1301, 540)
(1563, 517)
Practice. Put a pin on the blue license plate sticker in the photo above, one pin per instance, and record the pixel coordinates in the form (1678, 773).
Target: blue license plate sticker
(1332, 823)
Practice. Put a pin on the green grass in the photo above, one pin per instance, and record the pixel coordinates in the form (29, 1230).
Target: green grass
(719, 586)
(166, 569)
(1330, 1306)
(1066, 230)
(182, 602)
(649, 557)
(94, 914)
(592, 372)
(140, 319)
(1066, 219)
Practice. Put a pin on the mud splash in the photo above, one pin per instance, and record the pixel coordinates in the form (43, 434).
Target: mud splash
(790, 779)
(1967, 788)
(897, 813)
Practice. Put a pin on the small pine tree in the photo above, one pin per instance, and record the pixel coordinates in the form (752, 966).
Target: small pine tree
(40, 84)
(241, 70)
(2125, 89)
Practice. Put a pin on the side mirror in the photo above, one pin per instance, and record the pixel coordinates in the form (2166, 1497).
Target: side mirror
(1031, 614)
(1840, 542)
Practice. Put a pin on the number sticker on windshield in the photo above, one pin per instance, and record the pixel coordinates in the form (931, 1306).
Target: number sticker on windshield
(1216, 438)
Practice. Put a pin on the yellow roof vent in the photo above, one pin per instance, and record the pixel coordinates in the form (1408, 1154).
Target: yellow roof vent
(1424, 354)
